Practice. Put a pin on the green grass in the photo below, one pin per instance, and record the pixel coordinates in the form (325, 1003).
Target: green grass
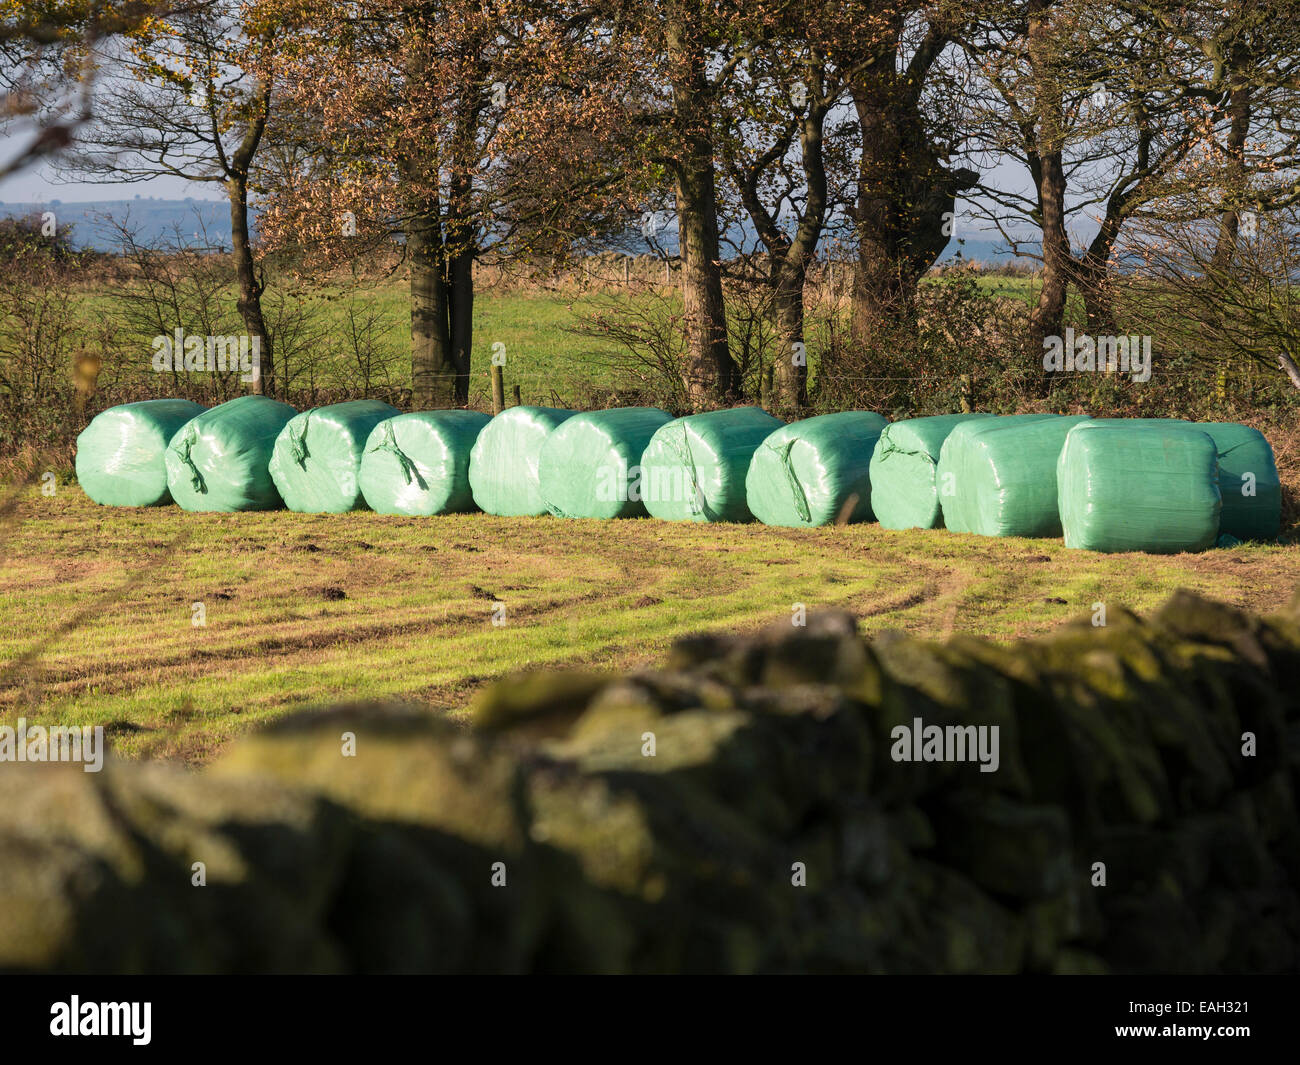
(302, 610)
(541, 349)
(1010, 287)
(546, 354)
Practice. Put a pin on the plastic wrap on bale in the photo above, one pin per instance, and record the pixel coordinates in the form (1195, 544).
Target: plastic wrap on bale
(1152, 488)
(121, 454)
(590, 465)
(694, 467)
(1248, 482)
(418, 464)
(816, 471)
(316, 463)
(904, 466)
(218, 461)
(503, 462)
(997, 476)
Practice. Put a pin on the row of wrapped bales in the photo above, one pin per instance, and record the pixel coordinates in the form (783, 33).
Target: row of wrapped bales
(120, 453)
(1154, 485)
(1126, 484)
(617, 463)
(816, 471)
(253, 453)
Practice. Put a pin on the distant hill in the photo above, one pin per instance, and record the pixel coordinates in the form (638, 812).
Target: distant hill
(994, 252)
(206, 223)
(190, 222)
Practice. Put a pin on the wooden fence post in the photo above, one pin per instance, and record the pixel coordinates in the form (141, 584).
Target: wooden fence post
(498, 389)
(518, 401)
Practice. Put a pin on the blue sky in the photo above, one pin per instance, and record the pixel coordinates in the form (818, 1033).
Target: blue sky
(39, 185)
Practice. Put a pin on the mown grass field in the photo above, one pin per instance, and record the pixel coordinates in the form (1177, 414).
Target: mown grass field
(96, 604)
(543, 352)
(547, 353)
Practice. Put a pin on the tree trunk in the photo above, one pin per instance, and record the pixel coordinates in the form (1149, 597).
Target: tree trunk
(461, 312)
(1047, 317)
(1092, 278)
(883, 304)
(1239, 111)
(789, 257)
(904, 191)
(251, 286)
(462, 232)
(461, 253)
(433, 368)
(709, 373)
(439, 314)
(791, 371)
(1093, 281)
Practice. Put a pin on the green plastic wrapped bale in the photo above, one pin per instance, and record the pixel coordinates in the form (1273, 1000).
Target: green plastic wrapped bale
(1246, 466)
(1152, 488)
(218, 461)
(503, 463)
(317, 456)
(810, 472)
(694, 468)
(120, 454)
(1248, 482)
(997, 476)
(904, 487)
(588, 465)
(418, 464)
